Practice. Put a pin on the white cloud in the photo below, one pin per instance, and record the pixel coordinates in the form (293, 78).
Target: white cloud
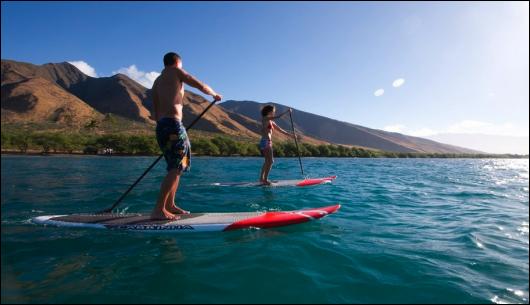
(481, 136)
(84, 67)
(471, 126)
(394, 128)
(398, 82)
(146, 79)
(487, 143)
(422, 132)
(464, 127)
(467, 126)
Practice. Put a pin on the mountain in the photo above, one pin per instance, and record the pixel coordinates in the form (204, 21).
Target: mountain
(54, 85)
(37, 99)
(338, 132)
(61, 95)
(118, 94)
(63, 74)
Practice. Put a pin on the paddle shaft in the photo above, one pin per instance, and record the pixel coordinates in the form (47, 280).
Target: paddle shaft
(296, 142)
(152, 165)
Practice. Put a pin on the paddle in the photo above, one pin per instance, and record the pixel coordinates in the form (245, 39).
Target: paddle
(153, 164)
(296, 142)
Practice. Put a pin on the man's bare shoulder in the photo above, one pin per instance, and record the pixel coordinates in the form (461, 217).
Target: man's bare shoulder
(180, 72)
(172, 73)
(155, 83)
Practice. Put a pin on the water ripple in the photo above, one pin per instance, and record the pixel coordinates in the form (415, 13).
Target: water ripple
(409, 231)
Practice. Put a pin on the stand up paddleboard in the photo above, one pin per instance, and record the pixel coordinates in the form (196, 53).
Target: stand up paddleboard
(197, 222)
(275, 183)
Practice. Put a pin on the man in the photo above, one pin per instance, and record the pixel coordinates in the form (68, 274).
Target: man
(168, 97)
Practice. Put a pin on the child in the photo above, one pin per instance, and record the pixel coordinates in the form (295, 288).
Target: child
(265, 145)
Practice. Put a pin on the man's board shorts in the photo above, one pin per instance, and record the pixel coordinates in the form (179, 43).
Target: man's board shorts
(264, 144)
(174, 142)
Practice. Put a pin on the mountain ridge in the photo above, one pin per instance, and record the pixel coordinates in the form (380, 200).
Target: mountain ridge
(345, 133)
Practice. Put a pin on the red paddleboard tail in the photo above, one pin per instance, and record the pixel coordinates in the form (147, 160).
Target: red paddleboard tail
(278, 219)
(314, 181)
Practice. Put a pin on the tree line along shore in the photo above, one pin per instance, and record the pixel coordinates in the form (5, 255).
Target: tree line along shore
(123, 144)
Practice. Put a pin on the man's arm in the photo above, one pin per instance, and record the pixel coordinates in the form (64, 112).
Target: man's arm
(187, 78)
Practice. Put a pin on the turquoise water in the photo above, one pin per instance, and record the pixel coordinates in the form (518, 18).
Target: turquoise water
(409, 230)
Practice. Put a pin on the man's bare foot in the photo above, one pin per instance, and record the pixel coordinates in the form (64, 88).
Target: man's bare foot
(176, 210)
(163, 215)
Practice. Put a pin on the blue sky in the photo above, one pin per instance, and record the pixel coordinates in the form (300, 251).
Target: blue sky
(464, 67)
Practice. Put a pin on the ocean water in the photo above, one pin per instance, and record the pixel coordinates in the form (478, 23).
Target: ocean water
(409, 231)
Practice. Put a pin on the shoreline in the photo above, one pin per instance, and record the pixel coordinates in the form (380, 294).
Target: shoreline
(80, 153)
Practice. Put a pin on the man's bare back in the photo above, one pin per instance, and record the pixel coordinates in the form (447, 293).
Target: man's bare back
(168, 92)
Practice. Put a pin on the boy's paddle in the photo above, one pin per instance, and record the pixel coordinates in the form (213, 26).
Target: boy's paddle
(296, 142)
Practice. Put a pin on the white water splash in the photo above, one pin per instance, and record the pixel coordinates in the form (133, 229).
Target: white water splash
(518, 293)
(523, 229)
(498, 300)
(477, 242)
(255, 206)
(501, 182)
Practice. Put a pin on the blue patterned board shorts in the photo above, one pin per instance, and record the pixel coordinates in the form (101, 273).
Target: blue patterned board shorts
(174, 142)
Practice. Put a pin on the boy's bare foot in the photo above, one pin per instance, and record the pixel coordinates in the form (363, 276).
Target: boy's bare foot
(266, 182)
(176, 210)
(163, 215)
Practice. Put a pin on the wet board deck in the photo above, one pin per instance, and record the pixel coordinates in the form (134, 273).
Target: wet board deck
(196, 222)
(276, 183)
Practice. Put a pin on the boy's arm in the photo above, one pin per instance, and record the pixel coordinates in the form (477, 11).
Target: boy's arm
(281, 130)
(187, 78)
(280, 115)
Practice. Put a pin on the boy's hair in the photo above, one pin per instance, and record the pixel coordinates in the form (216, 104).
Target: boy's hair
(266, 110)
(171, 58)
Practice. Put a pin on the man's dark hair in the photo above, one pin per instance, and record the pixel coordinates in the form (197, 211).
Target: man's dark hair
(171, 58)
(266, 110)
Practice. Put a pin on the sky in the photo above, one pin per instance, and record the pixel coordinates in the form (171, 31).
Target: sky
(422, 69)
